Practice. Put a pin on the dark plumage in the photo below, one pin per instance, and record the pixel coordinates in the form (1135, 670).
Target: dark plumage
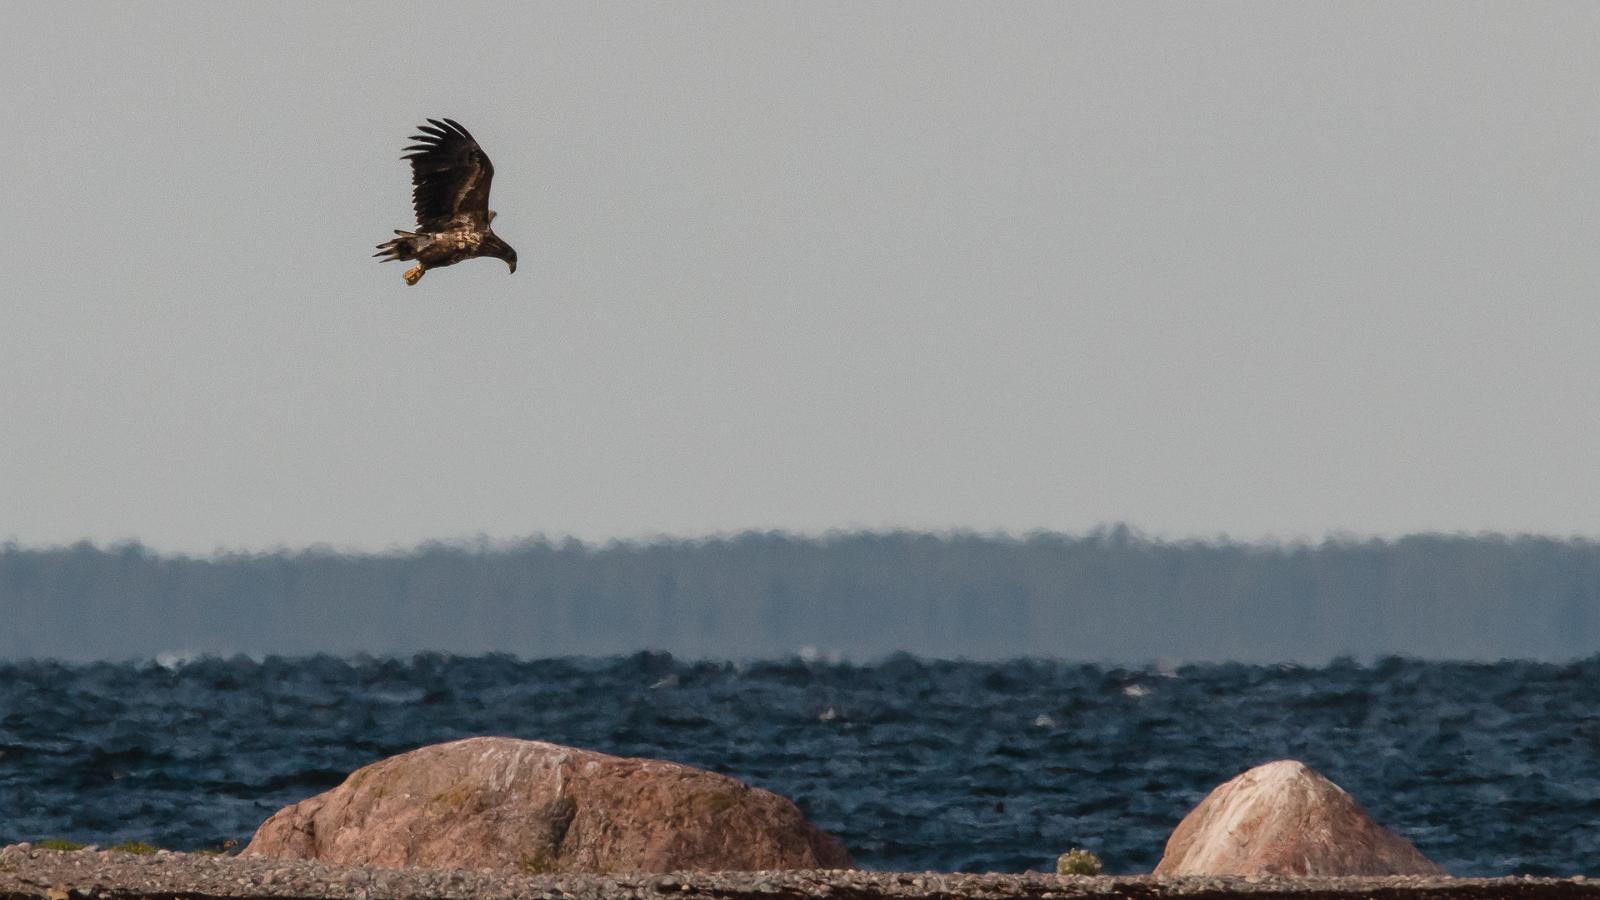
(451, 176)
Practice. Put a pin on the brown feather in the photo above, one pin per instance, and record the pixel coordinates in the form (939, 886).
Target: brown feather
(450, 175)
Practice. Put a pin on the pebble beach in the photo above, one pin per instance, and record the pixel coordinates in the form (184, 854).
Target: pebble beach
(30, 873)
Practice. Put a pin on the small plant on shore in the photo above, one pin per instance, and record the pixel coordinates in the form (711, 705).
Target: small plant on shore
(1078, 861)
(61, 844)
(137, 848)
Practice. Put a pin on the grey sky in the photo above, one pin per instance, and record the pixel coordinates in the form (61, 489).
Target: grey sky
(1263, 269)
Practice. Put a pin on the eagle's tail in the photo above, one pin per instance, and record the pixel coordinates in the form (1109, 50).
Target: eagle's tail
(402, 247)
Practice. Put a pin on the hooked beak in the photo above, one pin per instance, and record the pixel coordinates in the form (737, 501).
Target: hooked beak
(512, 265)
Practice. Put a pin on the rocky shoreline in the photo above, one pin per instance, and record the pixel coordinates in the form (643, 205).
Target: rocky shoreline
(507, 819)
(29, 873)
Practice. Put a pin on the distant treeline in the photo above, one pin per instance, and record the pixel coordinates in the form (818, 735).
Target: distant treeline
(1107, 596)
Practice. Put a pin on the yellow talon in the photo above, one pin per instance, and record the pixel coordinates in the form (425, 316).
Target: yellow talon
(414, 274)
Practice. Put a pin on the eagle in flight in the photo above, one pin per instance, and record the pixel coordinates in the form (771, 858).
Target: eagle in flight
(451, 176)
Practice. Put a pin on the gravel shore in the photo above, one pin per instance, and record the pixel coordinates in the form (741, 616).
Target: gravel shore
(27, 873)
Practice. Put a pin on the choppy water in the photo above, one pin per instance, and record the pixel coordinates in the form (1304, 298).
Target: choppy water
(1489, 769)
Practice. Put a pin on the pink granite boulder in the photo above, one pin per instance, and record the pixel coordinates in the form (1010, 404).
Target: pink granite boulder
(527, 806)
(1281, 818)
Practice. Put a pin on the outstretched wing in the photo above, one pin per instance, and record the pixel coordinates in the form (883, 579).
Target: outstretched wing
(451, 176)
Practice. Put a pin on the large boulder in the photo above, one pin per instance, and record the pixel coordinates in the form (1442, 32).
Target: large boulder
(1281, 818)
(528, 806)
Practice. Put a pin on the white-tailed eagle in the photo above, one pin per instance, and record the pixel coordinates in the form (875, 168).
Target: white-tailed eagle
(451, 176)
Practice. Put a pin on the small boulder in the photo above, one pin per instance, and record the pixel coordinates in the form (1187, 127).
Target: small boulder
(528, 806)
(1281, 818)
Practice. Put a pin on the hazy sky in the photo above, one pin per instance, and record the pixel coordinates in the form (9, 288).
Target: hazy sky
(1255, 268)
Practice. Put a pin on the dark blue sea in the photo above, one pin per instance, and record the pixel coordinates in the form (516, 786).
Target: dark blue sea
(1489, 768)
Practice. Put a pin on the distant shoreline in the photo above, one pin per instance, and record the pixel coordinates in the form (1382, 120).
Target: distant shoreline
(1111, 595)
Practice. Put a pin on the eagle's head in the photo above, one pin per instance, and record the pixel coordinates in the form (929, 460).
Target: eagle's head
(499, 249)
